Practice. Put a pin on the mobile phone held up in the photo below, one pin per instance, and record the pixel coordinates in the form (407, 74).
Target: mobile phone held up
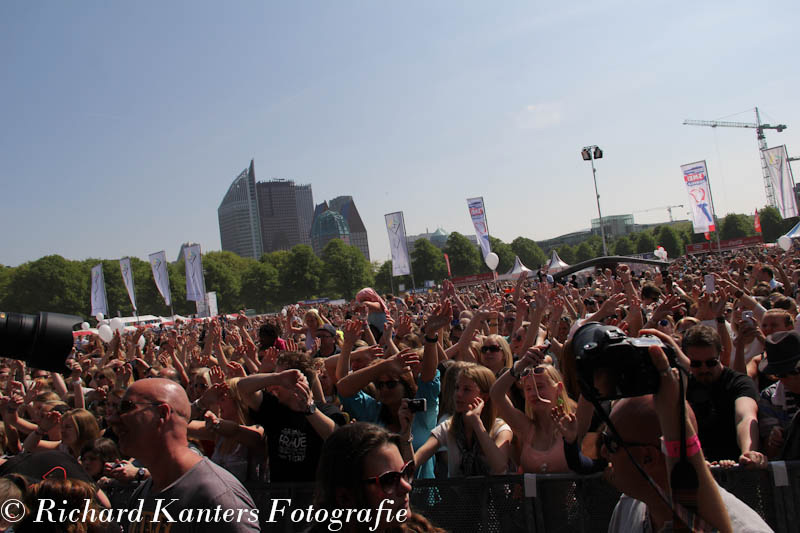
(418, 405)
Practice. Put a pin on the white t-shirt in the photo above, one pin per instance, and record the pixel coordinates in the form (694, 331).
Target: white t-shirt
(448, 442)
(630, 516)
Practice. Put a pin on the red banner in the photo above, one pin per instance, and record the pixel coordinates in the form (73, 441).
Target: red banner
(462, 281)
(757, 222)
(447, 260)
(730, 244)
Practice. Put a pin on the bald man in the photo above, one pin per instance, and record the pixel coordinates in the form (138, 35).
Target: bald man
(186, 492)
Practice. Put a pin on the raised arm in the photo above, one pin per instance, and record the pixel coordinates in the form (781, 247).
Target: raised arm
(251, 387)
(519, 422)
(395, 365)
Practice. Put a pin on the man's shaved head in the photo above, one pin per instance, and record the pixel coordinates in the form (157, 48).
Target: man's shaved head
(166, 391)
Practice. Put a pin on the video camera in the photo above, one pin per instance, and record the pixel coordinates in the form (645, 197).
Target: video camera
(611, 365)
(43, 340)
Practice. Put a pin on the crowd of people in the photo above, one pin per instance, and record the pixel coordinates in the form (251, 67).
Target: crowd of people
(363, 398)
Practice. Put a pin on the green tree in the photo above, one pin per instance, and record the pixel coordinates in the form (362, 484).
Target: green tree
(528, 252)
(385, 282)
(735, 226)
(346, 270)
(465, 257)
(223, 273)
(427, 262)
(260, 287)
(671, 241)
(584, 252)
(646, 243)
(623, 246)
(771, 224)
(504, 253)
(302, 274)
(566, 253)
(50, 283)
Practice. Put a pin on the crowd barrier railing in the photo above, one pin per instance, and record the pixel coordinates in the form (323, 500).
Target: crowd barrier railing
(552, 503)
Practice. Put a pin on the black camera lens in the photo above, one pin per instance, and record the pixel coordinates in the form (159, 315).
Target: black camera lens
(43, 340)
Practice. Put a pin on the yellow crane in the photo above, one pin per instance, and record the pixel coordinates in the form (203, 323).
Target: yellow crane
(762, 143)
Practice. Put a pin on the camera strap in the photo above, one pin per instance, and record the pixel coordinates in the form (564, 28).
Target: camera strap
(681, 514)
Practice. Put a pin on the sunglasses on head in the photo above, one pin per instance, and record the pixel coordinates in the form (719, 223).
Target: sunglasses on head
(710, 363)
(538, 370)
(388, 481)
(126, 406)
(388, 384)
(492, 348)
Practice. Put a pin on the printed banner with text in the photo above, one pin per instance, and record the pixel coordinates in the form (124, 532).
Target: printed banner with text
(99, 302)
(695, 176)
(780, 177)
(158, 263)
(478, 214)
(195, 284)
(396, 227)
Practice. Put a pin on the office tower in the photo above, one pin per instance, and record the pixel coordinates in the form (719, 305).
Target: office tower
(353, 226)
(285, 210)
(239, 225)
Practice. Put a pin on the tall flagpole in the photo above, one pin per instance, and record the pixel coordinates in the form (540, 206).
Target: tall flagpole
(713, 209)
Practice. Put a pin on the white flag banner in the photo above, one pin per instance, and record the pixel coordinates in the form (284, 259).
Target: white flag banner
(158, 263)
(211, 299)
(780, 177)
(127, 278)
(99, 304)
(695, 176)
(194, 274)
(401, 262)
(478, 214)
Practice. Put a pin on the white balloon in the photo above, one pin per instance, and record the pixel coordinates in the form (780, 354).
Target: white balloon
(99, 317)
(117, 325)
(84, 326)
(105, 333)
(492, 261)
(141, 342)
(785, 242)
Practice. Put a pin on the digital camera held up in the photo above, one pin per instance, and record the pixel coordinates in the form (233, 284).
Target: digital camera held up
(611, 365)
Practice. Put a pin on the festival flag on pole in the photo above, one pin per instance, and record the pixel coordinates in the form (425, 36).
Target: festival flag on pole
(695, 176)
(194, 274)
(158, 264)
(127, 279)
(99, 302)
(780, 177)
(447, 260)
(757, 222)
(396, 227)
(478, 214)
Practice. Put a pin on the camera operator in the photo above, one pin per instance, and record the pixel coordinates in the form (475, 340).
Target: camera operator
(641, 421)
(724, 401)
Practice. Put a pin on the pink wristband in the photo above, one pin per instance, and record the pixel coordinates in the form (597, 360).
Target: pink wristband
(672, 448)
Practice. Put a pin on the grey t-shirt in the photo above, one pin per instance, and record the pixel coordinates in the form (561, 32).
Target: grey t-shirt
(630, 516)
(205, 499)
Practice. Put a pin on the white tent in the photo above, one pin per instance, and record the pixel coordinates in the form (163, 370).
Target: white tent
(515, 271)
(555, 264)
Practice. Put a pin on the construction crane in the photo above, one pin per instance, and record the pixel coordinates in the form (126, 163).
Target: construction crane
(667, 207)
(762, 144)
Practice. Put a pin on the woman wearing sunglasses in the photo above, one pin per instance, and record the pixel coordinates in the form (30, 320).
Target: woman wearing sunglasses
(477, 442)
(360, 467)
(538, 441)
(495, 354)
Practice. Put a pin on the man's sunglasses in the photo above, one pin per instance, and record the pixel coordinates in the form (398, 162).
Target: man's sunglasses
(612, 444)
(388, 481)
(388, 384)
(493, 348)
(710, 363)
(126, 406)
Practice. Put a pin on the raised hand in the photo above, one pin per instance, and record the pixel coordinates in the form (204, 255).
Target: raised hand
(440, 318)
(217, 375)
(402, 362)
(472, 418)
(567, 423)
(268, 361)
(403, 326)
(291, 346)
(235, 370)
(352, 331)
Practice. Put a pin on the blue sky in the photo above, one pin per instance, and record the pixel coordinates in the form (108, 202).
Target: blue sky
(125, 122)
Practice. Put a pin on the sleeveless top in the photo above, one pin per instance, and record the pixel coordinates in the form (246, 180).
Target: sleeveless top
(550, 461)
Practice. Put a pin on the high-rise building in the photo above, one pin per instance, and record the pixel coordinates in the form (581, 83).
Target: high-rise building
(239, 225)
(285, 211)
(325, 227)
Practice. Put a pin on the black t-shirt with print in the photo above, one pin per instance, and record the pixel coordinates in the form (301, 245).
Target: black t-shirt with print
(294, 445)
(714, 408)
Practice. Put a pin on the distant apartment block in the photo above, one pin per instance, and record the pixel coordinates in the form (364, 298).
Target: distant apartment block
(339, 219)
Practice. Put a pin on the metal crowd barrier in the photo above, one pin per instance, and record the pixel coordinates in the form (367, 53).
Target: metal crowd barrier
(551, 503)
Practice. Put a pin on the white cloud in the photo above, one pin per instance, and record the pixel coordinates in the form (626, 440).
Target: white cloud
(539, 116)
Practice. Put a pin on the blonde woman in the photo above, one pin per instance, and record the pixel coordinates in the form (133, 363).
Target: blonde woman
(538, 440)
(478, 443)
